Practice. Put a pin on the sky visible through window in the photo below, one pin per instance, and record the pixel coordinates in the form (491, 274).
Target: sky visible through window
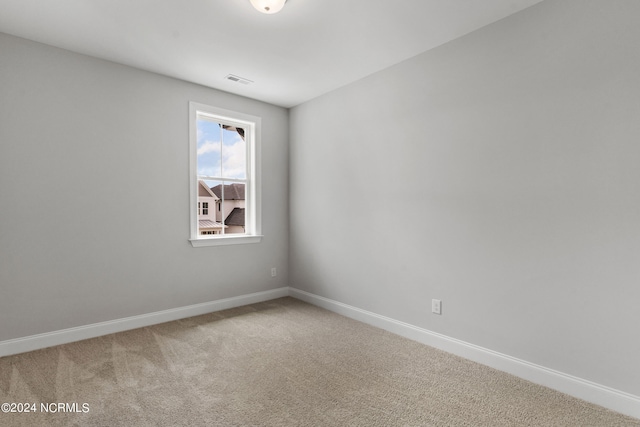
(221, 152)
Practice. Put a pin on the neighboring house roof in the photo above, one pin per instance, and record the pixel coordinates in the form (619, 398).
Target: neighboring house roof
(205, 223)
(231, 191)
(236, 217)
(204, 190)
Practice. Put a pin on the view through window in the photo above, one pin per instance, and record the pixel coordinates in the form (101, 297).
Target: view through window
(222, 175)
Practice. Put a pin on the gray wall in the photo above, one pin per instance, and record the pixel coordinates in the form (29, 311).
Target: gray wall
(94, 194)
(500, 173)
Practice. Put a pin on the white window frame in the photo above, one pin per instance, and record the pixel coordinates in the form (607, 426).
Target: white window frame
(253, 224)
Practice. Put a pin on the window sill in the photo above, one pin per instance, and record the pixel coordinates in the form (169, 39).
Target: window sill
(224, 241)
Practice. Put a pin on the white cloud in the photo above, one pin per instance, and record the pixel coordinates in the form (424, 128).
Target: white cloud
(234, 159)
(209, 147)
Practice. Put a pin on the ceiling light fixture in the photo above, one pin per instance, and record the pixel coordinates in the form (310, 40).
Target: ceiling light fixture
(268, 6)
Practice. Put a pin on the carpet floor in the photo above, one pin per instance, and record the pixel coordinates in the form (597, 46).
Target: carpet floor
(278, 363)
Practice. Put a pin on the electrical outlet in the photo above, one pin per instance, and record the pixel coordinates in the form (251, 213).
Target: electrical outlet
(274, 272)
(436, 306)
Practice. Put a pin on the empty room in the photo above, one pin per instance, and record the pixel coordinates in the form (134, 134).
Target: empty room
(320, 213)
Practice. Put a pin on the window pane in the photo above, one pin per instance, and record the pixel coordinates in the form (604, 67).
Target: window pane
(234, 205)
(230, 207)
(234, 153)
(207, 219)
(209, 147)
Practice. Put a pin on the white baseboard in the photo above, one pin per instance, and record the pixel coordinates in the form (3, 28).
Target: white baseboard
(610, 398)
(36, 342)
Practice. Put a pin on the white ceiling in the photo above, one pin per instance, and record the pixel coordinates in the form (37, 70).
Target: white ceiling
(311, 47)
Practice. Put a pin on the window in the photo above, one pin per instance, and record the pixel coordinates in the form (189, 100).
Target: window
(224, 165)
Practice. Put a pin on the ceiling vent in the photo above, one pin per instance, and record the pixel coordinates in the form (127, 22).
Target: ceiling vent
(238, 79)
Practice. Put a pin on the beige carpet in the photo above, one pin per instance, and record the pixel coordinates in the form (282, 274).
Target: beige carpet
(278, 363)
